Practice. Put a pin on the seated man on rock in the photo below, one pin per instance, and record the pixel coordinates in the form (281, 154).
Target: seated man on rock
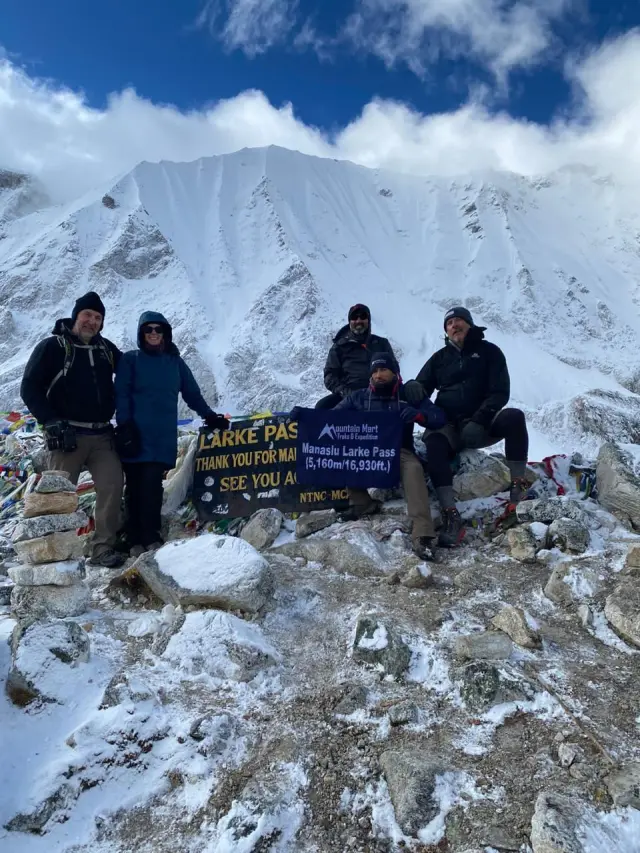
(473, 385)
(347, 367)
(384, 394)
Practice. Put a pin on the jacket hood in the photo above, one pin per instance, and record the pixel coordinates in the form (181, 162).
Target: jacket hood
(157, 317)
(346, 333)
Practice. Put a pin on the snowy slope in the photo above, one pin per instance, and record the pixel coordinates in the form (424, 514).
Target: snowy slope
(255, 257)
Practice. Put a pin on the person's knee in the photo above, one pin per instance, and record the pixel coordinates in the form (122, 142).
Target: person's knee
(513, 420)
(436, 445)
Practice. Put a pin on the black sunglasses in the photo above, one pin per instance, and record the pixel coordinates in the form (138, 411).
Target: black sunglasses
(359, 316)
(146, 330)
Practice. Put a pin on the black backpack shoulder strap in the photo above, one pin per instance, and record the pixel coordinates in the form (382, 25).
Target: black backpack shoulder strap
(67, 346)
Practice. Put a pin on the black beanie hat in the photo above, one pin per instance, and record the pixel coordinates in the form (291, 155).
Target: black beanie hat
(359, 307)
(91, 301)
(460, 312)
(384, 359)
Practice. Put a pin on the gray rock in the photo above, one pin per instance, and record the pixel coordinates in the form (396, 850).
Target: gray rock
(554, 824)
(5, 593)
(556, 589)
(548, 510)
(262, 528)
(65, 573)
(50, 602)
(568, 753)
(622, 610)
(34, 822)
(513, 622)
(54, 481)
(354, 698)
(624, 786)
(312, 522)
(403, 713)
(498, 838)
(54, 548)
(569, 535)
(54, 503)
(633, 557)
(618, 483)
(522, 544)
(385, 526)
(482, 686)
(585, 615)
(34, 528)
(411, 781)
(211, 571)
(479, 476)
(376, 644)
(40, 654)
(418, 577)
(213, 732)
(489, 645)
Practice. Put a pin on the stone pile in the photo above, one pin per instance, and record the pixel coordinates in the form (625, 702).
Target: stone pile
(49, 583)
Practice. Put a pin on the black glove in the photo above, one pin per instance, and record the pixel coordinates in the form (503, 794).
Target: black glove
(473, 435)
(60, 435)
(127, 440)
(214, 421)
(408, 414)
(414, 393)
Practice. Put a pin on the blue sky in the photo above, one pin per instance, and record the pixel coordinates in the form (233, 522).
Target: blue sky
(426, 86)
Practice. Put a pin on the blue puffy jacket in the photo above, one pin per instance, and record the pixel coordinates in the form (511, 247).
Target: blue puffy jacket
(147, 387)
(371, 400)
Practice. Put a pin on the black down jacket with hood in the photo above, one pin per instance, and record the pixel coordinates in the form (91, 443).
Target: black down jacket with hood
(349, 360)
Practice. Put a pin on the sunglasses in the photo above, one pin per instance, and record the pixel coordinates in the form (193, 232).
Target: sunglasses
(147, 330)
(359, 316)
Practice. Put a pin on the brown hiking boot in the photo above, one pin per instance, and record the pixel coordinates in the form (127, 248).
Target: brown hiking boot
(453, 529)
(424, 547)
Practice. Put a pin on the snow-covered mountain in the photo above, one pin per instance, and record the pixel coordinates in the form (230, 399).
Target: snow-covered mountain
(256, 256)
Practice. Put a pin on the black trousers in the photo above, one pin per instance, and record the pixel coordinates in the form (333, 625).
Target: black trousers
(329, 402)
(143, 501)
(442, 445)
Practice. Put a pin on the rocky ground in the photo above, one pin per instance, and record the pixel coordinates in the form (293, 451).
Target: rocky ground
(332, 694)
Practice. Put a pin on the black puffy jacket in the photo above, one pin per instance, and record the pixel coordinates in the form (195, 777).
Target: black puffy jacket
(472, 382)
(85, 394)
(349, 360)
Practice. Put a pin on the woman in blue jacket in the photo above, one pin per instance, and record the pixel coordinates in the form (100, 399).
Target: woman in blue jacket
(147, 384)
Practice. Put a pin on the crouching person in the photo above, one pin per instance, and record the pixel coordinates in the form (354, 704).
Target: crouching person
(385, 394)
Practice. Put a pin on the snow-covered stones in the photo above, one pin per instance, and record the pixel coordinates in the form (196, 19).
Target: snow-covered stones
(64, 573)
(50, 503)
(555, 823)
(488, 645)
(262, 528)
(479, 476)
(377, 644)
(619, 482)
(569, 535)
(54, 548)
(522, 544)
(624, 786)
(42, 654)
(49, 601)
(210, 571)
(622, 610)
(313, 522)
(513, 622)
(411, 781)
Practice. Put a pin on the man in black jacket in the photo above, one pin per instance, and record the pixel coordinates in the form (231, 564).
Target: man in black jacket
(68, 387)
(473, 385)
(349, 359)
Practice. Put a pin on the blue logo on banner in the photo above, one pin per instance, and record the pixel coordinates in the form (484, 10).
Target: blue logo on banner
(345, 448)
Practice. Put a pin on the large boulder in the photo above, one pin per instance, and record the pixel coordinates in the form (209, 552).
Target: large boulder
(411, 779)
(546, 510)
(42, 655)
(54, 548)
(377, 644)
(34, 528)
(49, 602)
(523, 545)
(622, 610)
(313, 522)
(210, 571)
(555, 824)
(513, 622)
(50, 503)
(479, 476)
(65, 573)
(569, 535)
(618, 477)
(262, 528)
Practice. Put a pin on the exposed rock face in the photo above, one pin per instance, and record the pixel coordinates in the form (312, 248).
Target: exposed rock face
(479, 476)
(50, 503)
(619, 483)
(377, 644)
(411, 781)
(262, 528)
(622, 610)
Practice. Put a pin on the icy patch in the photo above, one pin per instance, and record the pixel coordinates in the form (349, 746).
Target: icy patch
(379, 640)
(601, 630)
(618, 831)
(151, 622)
(428, 666)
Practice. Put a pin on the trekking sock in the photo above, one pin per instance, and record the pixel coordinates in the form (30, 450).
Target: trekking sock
(516, 469)
(445, 496)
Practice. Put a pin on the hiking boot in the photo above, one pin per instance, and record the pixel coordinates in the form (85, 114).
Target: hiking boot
(424, 547)
(110, 559)
(453, 529)
(357, 511)
(518, 490)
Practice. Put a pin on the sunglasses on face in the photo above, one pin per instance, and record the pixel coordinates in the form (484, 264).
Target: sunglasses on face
(147, 330)
(359, 317)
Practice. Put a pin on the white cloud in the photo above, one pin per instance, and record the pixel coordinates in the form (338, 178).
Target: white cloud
(52, 132)
(252, 26)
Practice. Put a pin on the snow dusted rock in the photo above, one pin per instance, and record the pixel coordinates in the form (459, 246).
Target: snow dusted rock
(312, 522)
(418, 577)
(54, 481)
(53, 503)
(50, 602)
(547, 510)
(554, 824)
(411, 781)
(619, 482)
(622, 610)
(210, 571)
(479, 476)
(262, 528)
(65, 573)
(556, 589)
(57, 547)
(214, 733)
(354, 698)
(34, 528)
(624, 786)
(384, 526)
(352, 549)
(483, 686)
(36, 820)
(522, 544)
(42, 654)
(569, 535)
(376, 644)
(585, 615)
(540, 533)
(488, 645)
(633, 557)
(403, 713)
(513, 622)
(568, 754)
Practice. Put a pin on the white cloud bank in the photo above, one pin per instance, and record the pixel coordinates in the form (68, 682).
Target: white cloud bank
(52, 132)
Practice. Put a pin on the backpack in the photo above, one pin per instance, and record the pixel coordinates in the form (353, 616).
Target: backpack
(69, 355)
